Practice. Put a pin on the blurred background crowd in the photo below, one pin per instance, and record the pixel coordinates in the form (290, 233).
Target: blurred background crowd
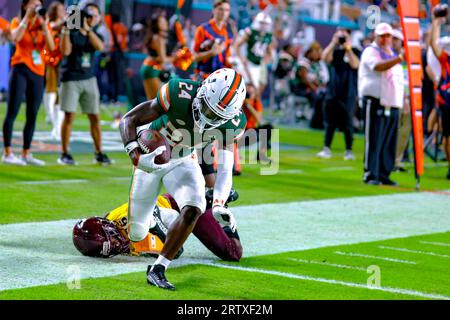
(300, 60)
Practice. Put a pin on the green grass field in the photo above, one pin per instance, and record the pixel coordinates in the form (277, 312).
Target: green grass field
(328, 272)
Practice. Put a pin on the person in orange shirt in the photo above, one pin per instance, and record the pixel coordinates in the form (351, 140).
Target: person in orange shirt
(213, 40)
(31, 34)
(4, 28)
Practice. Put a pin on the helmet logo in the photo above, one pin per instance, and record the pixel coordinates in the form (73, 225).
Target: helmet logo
(106, 248)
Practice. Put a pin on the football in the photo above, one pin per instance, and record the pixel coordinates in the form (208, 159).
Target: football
(149, 140)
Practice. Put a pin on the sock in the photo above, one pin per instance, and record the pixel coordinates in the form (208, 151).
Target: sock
(58, 117)
(162, 261)
(51, 100)
(48, 104)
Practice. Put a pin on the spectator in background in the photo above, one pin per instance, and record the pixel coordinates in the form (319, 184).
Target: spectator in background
(153, 65)
(260, 45)
(405, 125)
(310, 78)
(428, 95)
(253, 110)
(79, 84)
(31, 34)
(116, 63)
(4, 29)
(342, 91)
(381, 86)
(443, 96)
(319, 75)
(433, 125)
(56, 13)
(213, 40)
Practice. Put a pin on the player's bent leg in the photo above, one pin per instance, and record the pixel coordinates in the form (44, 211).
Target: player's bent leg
(224, 243)
(186, 184)
(180, 230)
(144, 191)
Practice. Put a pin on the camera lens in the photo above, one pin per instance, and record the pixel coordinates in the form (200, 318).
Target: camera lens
(440, 11)
(342, 39)
(41, 11)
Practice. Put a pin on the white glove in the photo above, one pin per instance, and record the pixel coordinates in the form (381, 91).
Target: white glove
(224, 217)
(147, 161)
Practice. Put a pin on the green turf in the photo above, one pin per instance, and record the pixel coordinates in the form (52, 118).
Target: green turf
(81, 122)
(302, 177)
(429, 275)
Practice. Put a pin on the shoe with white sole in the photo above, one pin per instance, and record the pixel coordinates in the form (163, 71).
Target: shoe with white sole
(325, 153)
(349, 156)
(13, 160)
(32, 161)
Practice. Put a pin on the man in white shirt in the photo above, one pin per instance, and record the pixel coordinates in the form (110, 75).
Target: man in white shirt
(381, 87)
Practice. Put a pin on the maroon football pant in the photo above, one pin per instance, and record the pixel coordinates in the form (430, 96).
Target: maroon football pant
(212, 235)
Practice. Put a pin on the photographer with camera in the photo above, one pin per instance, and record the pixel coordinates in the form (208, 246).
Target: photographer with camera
(78, 82)
(443, 96)
(152, 70)
(342, 91)
(30, 33)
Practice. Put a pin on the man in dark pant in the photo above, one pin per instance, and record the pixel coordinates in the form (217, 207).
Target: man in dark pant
(339, 114)
(381, 127)
(340, 99)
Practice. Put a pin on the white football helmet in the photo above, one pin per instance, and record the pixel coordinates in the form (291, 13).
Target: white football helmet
(219, 99)
(262, 22)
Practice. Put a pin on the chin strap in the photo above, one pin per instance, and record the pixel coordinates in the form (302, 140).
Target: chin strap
(224, 177)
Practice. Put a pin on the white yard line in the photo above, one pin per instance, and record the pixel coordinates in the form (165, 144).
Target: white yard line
(353, 254)
(342, 266)
(33, 254)
(428, 253)
(441, 244)
(332, 281)
(337, 169)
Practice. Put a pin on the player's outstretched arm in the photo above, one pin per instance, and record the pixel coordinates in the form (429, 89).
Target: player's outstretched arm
(142, 114)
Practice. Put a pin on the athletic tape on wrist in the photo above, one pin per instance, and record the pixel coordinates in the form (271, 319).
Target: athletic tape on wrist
(131, 146)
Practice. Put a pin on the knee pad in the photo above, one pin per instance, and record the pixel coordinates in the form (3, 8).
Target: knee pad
(137, 232)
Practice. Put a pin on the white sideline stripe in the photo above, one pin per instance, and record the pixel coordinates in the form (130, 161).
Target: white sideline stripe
(442, 244)
(333, 169)
(53, 182)
(353, 254)
(429, 253)
(327, 264)
(293, 171)
(332, 281)
(46, 182)
(38, 253)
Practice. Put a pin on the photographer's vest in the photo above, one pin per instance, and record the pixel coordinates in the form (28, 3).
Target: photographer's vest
(210, 32)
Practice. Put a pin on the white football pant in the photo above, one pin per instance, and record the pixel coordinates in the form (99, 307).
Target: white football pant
(183, 180)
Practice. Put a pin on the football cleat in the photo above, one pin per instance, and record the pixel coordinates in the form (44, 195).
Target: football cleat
(234, 196)
(157, 278)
